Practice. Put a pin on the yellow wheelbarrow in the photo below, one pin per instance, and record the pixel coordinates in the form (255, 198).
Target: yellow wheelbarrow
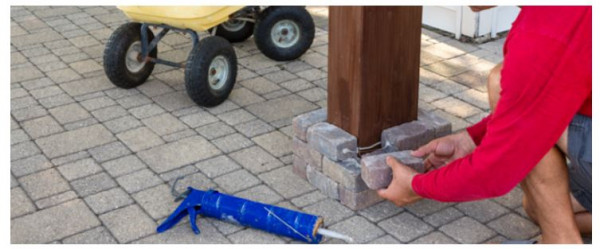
(281, 33)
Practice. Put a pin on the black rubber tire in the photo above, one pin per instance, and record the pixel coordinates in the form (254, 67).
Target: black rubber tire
(235, 36)
(269, 17)
(116, 51)
(197, 71)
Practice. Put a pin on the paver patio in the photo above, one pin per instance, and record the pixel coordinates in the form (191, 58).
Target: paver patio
(92, 163)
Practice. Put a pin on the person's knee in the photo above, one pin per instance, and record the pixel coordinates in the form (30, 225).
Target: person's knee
(494, 86)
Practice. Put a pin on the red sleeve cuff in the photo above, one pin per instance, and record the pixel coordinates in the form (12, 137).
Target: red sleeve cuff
(478, 130)
(417, 184)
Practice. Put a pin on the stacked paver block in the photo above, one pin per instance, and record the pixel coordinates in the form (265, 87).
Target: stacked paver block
(377, 174)
(327, 156)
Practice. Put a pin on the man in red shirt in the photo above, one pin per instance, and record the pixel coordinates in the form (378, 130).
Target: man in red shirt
(541, 108)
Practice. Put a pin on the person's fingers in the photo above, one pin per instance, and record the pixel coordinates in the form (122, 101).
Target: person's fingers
(444, 149)
(383, 193)
(392, 162)
(425, 149)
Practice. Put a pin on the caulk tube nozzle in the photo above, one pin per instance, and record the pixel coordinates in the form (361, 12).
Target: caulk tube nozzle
(334, 234)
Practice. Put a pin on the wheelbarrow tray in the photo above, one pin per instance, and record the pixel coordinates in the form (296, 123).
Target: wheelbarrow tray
(197, 18)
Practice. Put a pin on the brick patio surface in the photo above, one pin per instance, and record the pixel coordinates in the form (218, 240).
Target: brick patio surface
(93, 163)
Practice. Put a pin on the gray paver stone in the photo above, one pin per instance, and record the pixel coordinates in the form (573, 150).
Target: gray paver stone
(328, 186)
(139, 139)
(20, 203)
(358, 228)
(377, 174)
(56, 199)
(23, 150)
(69, 113)
(260, 193)
(122, 124)
(254, 128)
(164, 124)
(386, 239)
(407, 136)
(346, 173)
(380, 211)
(332, 211)
(108, 113)
(434, 238)
(17, 136)
(467, 230)
(405, 227)
(157, 201)
(123, 165)
(215, 130)
(302, 122)
(483, 211)
(236, 181)
(176, 154)
(332, 141)
(275, 143)
(443, 216)
(43, 184)
(358, 200)
(217, 166)
(232, 142)
(93, 184)
(307, 153)
(138, 180)
(108, 200)
(29, 165)
(128, 231)
(97, 235)
(182, 234)
(72, 141)
(109, 151)
(299, 167)
(79, 169)
(41, 127)
(425, 207)
(281, 108)
(53, 223)
(254, 236)
(308, 199)
(285, 182)
(199, 119)
(440, 126)
(256, 160)
(514, 227)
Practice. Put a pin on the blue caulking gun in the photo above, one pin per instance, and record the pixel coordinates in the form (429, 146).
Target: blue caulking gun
(273, 219)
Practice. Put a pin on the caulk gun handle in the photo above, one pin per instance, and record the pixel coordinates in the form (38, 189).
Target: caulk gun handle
(187, 206)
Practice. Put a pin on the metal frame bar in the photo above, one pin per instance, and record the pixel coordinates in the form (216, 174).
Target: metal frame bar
(147, 47)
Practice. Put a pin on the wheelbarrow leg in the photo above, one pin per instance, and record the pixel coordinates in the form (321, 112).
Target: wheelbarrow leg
(147, 47)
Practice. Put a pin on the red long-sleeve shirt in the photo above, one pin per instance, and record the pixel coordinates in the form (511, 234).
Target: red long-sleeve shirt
(546, 79)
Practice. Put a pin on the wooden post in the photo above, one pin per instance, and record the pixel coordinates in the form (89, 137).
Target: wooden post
(373, 81)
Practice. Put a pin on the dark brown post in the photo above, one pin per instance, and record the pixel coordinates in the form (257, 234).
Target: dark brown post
(373, 79)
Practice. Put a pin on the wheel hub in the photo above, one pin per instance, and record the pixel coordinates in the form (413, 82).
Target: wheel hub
(133, 57)
(285, 33)
(233, 25)
(218, 72)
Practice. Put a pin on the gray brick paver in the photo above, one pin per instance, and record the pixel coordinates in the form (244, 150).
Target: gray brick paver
(53, 223)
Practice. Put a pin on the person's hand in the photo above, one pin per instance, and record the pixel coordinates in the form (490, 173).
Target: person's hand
(400, 190)
(480, 8)
(445, 149)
